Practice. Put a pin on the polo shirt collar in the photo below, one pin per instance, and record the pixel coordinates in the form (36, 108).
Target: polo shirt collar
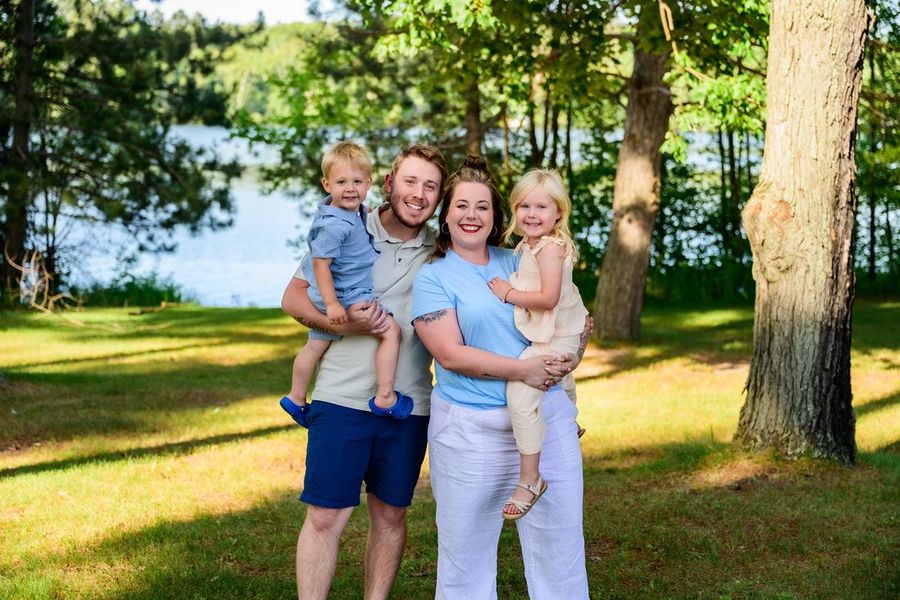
(350, 216)
(380, 234)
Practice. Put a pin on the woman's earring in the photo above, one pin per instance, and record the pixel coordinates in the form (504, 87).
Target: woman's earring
(444, 228)
(494, 231)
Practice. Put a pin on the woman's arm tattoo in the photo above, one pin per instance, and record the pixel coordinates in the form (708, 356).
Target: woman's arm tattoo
(432, 316)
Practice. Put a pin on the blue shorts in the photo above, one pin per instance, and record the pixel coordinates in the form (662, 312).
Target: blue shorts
(347, 447)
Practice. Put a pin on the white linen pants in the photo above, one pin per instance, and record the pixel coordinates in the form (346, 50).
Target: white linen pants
(474, 466)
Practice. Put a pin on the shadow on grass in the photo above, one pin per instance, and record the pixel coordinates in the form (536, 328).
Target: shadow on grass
(645, 538)
(96, 399)
(677, 331)
(131, 453)
(216, 325)
(879, 404)
(113, 356)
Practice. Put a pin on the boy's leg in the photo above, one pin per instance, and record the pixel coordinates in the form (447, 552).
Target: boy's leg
(386, 365)
(304, 366)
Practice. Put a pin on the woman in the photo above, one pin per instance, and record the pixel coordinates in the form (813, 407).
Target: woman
(473, 456)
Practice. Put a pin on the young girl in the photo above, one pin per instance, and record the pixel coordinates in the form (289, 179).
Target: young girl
(549, 312)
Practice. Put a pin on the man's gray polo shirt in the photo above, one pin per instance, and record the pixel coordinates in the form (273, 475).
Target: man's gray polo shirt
(346, 374)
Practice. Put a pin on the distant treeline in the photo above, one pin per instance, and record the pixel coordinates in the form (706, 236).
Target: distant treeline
(90, 90)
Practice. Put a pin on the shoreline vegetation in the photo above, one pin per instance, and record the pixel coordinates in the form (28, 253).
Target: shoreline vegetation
(145, 453)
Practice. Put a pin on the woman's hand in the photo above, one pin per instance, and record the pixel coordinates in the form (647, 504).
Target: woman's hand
(500, 287)
(542, 372)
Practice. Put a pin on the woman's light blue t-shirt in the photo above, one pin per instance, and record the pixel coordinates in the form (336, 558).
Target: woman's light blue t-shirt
(485, 321)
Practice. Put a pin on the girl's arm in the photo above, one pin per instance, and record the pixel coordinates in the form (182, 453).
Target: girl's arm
(550, 262)
(439, 332)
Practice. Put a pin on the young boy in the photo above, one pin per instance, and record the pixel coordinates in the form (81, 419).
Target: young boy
(339, 270)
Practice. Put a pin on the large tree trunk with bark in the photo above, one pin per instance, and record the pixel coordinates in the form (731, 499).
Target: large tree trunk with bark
(623, 273)
(15, 217)
(800, 224)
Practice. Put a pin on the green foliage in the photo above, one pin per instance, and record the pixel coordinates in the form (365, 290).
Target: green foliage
(878, 154)
(107, 84)
(130, 290)
(248, 68)
(545, 82)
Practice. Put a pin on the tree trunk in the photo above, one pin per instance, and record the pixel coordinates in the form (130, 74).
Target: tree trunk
(554, 135)
(800, 224)
(568, 147)
(15, 215)
(723, 197)
(873, 184)
(620, 288)
(734, 185)
(473, 118)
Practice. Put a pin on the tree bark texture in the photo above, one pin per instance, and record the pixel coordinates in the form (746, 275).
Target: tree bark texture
(800, 224)
(15, 217)
(623, 273)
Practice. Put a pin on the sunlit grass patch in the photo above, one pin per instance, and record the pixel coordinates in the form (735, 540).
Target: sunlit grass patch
(144, 456)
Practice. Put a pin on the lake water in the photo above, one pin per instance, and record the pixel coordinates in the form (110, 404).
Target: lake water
(248, 264)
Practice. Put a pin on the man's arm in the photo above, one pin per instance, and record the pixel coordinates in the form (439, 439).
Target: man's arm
(570, 361)
(295, 302)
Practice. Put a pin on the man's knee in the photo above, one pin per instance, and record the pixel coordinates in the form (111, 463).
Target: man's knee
(385, 516)
(327, 520)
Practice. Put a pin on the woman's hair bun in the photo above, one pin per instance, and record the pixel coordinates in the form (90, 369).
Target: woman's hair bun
(475, 162)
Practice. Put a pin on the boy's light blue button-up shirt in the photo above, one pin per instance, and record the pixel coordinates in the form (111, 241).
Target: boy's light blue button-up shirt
(341, 235)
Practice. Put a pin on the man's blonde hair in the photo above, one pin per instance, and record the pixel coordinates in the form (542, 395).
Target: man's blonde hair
(551, 182)
(348, 152)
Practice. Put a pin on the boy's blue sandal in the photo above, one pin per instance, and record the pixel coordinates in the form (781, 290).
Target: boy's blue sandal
(401, 409)
(298, 413)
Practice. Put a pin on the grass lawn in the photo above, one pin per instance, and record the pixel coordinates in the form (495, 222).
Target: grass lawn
(145, 456)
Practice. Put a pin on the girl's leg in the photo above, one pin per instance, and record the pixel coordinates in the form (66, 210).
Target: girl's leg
(552, 535)
(524, 404)
(304, 366)
(568, 345)
(386, 365)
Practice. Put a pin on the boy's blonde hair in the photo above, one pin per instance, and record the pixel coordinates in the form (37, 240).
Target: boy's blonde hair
(551, 182)
(349, 152)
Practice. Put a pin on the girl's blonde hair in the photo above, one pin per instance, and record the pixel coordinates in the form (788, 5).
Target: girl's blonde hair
(551, 182)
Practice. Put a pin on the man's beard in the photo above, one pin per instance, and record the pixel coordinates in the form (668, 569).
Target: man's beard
(398, 214)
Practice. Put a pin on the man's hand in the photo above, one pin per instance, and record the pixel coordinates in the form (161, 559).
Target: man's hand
(567, 362)
(366, 318)
(500, 287)
(337, 315)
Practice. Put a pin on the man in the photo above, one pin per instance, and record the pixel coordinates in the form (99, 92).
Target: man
(348, 445)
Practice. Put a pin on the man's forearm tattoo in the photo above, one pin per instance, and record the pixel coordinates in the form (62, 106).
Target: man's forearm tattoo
(582, 345)
(432, 316)
(310, 325)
